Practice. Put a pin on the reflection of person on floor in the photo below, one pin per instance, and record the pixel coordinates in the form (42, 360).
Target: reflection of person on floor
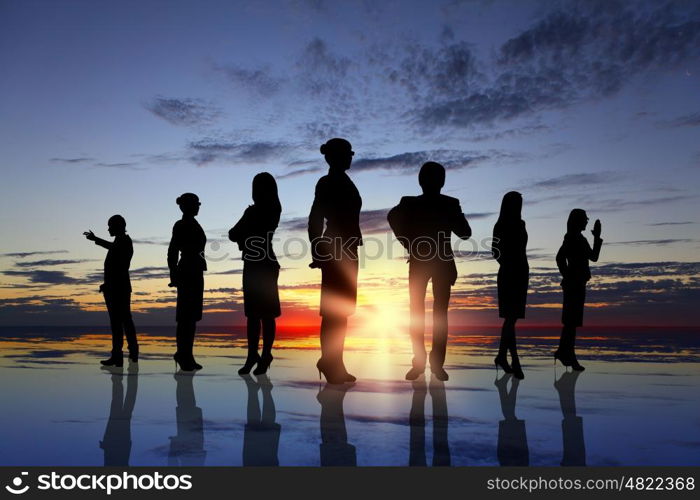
(441, 448)
(571, 425)
(262, 434)
(335, 449)
(116, 442)
(512, 439)
(187, 447)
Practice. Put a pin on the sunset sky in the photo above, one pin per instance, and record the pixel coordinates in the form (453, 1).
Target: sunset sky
(119, 107)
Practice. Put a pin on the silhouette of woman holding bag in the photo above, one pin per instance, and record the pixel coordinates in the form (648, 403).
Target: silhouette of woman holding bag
(187, 265)
(253, 233)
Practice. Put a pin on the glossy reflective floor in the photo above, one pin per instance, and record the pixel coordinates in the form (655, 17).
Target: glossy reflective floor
(636, 403)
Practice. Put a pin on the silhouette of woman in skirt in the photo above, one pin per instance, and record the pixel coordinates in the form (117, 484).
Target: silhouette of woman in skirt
(253, 233)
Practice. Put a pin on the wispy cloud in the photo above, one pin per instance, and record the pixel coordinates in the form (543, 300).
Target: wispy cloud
(72, 161)
(44, 276)
(183, 111)
(689, 120)
(576, 180)
(206, 151)
(258, 81)
(23, 255)
(49, 262)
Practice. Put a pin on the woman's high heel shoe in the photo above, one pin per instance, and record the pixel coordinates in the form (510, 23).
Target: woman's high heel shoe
(263, 364)
(576, 365)
(184, 365)
(561, 357)
(330, 372)
(503, 363)
(517, 369)
(250, 362)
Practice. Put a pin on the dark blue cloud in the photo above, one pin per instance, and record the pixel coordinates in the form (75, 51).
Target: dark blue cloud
(183, 111)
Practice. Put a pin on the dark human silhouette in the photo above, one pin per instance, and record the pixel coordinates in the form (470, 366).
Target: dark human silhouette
(187, 447)
(187, 265)
(253, 233)
(262, 434)
(572, 260)
(335, 449)
(423, 224)
(337, 202)
(117, 290)
(572, 424)
(441, 448)
(512, 439)
(116, 442)
(509, 249)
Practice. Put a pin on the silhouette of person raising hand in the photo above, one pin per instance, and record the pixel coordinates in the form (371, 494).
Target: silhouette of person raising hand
(253, 233)
(117, 290)
(572, 260)
(187, 265)
(424, 224)
(337, 202)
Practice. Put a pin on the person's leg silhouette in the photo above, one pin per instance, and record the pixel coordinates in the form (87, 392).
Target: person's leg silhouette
(417, 284)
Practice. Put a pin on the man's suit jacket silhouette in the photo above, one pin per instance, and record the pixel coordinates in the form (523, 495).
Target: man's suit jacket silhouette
(424, 224)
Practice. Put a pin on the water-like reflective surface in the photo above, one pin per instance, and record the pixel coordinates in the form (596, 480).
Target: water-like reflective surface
(636, 403)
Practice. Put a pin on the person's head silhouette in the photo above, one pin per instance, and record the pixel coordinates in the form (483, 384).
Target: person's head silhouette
(116, 225)
(511, 207)
(578, 220)
(431, 177)
(189, 204)
(265, 191)
(338, 153)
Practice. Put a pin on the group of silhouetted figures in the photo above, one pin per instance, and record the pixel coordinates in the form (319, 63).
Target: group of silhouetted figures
(423, 224)
(261, 432)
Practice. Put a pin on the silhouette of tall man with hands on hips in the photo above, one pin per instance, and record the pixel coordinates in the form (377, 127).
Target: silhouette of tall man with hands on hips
(423, 224)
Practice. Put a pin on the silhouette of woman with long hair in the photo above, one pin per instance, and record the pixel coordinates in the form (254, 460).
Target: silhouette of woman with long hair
(509, 249)
(117, 290)
(187, 265)
(572, 260)
(253, 233)
(261, 439)
(512, 439)
(337, 202)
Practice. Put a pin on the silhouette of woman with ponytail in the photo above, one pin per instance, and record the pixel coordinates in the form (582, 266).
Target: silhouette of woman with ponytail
(253, 233)
(509, 249)
(187, 265)
(572, 260)
(337, 203)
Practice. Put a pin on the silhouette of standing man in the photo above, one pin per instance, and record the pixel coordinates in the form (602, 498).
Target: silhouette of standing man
(117, 290)
(423, 225)
(337, 202)
(187, 265)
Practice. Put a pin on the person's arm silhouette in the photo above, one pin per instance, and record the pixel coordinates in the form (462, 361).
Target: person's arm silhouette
(174, 254)
(317, 217)
(397, 221)
(459, 224)
(241, 230)
(98, 241)
(597, 241)
(562, 263)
